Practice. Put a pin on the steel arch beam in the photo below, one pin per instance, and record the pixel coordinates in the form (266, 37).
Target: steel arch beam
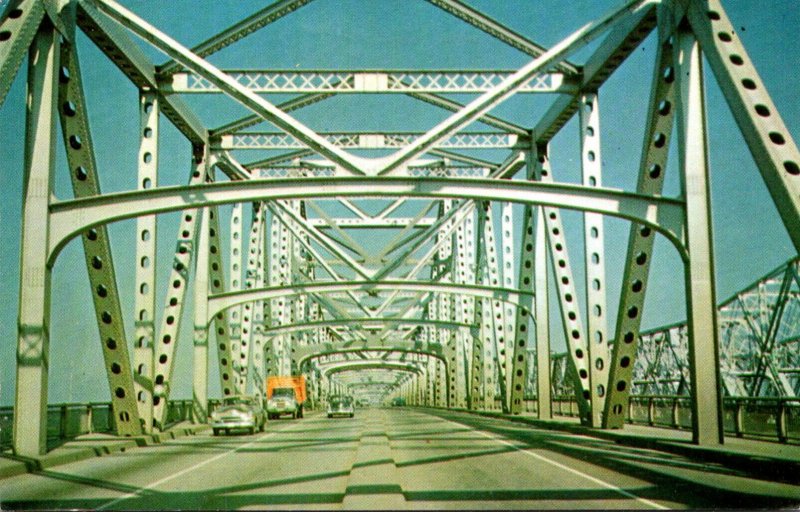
(356, 366)
(222, 301)
(309, 352)
(377, 322)
(71, 217)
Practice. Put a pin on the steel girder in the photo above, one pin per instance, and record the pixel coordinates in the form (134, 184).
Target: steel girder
(542, 316)
(699, 271)
(348, 82)
(132, 61)
(463, 140)
(19, 25)
(524, 313)
(608, 56)
(145, 307)
(304, 354)
(652, 170)
(30, 408)
(222, 324)
(166, 341)
(773, 148)
(349, 162)
(662, 214)
(85, 179)
(586, 395)
(253, 280)
(240, 30)
(594, 258)
(498, 30)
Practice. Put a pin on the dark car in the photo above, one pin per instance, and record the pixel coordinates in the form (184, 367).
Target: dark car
(341, 405)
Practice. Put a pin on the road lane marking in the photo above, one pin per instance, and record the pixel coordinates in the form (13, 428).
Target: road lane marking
(188, 470)
(591, 478)
(552, 462)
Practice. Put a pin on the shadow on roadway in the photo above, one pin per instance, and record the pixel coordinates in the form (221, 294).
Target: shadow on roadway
(617, 458)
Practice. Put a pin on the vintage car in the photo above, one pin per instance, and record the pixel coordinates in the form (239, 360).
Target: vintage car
(237, 413)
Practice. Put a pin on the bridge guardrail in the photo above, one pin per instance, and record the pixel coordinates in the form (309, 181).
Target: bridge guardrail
(774, 418)
(66, 421)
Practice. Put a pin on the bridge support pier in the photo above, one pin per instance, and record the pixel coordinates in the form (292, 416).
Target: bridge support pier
(33, 343)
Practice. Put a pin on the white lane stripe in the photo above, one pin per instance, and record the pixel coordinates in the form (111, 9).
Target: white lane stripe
(187, 470)
(603, 483)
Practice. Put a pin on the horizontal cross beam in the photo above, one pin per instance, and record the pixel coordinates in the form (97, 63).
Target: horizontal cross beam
(350, 82)
(352, 140)
(71, 217)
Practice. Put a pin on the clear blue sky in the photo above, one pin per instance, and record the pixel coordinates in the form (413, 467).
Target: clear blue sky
(749, 239)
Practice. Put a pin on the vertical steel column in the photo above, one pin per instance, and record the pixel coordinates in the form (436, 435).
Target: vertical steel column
(699, 271)
(465, 312)
(33, 345)
(430, 375)
(256, 378)
(655, 149)
(479, 329)
(251, 275)
(298, 263)
(523, 311)
(444, 270)
(96, 246)
(176, 292)
(507, 264)
(543, 383)
(200, 334)
(595, 259)
(441, 383)
(278, 275)
(567, 298)
(217, 285)
(146, 250)
(235, 263)
(498, 322)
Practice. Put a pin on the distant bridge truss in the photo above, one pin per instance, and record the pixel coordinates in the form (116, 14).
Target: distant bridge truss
(404, 263)
(759, 332)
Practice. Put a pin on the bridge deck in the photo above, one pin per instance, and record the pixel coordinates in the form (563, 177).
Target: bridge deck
(402, 459)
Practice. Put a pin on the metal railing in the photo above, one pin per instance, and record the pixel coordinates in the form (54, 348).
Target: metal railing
(772, 418)
(67, 421)
(776, 418)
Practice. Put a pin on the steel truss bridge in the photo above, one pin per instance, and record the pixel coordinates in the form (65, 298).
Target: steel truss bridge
(441, 295)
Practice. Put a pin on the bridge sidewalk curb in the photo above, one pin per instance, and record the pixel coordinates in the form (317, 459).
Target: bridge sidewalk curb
(774, 466)
(86, 447)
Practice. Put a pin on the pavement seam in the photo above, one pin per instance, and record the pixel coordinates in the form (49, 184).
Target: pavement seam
(373, 460)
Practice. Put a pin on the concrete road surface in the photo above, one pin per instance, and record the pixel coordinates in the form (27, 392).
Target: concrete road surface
(395, 458)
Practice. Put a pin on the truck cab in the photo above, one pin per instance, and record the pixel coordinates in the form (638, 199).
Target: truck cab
(283, 401)
(285, 395)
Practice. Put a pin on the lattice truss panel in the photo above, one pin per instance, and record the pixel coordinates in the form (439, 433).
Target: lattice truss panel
(400, 262)
(344, 82)
(759, 333)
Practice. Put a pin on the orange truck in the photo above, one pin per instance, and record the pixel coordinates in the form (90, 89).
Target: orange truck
(285, 395)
